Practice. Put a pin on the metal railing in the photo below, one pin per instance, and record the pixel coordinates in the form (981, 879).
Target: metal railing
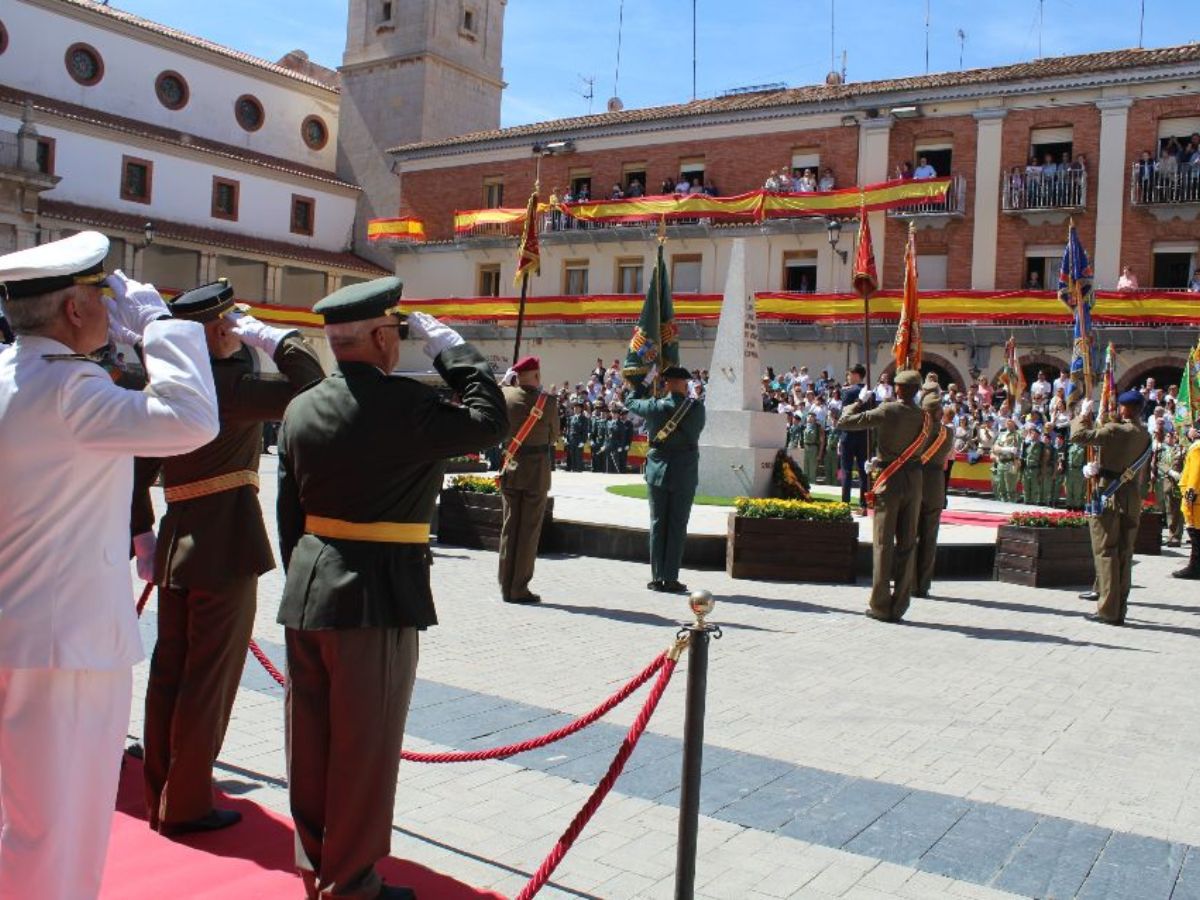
(952, 203)
(1151, 184)
(1033, 191)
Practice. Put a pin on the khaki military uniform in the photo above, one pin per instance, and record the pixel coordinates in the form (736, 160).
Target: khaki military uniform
(1076, 459)
(1006, 452)
(897, 507)
(1114, 530)
(933, 501)
(362, 448)
(211, 550)
(524, 490)
(1168, 466)
(811, 439)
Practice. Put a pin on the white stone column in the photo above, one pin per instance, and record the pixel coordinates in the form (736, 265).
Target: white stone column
(274, 288)
(874, 136)
(333, 282)
(988, 134)
(208, 268)
(132, 260)
(1112, 178)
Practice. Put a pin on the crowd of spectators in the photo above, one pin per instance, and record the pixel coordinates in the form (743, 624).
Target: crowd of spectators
(1173, 176)
(1047, 183)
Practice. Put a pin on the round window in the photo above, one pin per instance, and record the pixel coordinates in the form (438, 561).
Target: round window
(314, 132)
(249, 112)
(172, 90)
(84, 64)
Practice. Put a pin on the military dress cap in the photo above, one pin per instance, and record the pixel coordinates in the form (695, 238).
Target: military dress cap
(910, 377)
(932, 400)
(527, 364)
(360, 302)
(205, 303)
(78, 259)
(676, 372)
(1131, 398)
(931, 382)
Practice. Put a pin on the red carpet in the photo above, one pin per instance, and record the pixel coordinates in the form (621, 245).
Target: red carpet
(982, 519)
(251, 860)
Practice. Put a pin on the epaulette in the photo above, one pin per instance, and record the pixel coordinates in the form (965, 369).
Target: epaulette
(70, 357)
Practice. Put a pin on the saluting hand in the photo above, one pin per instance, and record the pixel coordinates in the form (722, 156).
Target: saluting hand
(438, 337)
(254, 333)
(133, 305)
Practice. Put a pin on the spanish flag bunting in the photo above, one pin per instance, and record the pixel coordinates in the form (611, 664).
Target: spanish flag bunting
(405, 228)
(907, 346)
(864, 277)
(529, 258)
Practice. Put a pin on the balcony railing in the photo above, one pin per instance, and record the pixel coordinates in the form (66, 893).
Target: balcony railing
(953, 203)
(1034, 192)
(1149, 185)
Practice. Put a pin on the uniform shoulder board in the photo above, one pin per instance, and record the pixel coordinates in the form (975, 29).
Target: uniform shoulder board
(69, 357)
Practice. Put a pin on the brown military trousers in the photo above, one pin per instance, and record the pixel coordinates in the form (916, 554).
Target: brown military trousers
(194, 675)
(933, 501)
(524, 498)
(348, 693)
(897, 511)
(1114, 532)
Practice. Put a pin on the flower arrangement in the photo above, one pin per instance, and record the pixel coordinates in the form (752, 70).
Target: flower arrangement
(787, 481)
(1048, 519)
(475, 484)
(806, 510)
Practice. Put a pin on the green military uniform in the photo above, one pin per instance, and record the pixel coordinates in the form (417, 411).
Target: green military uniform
(672, 473)
(621, 439)
(576, 436)
(1168, 466)
(212, 546)
(811, 441)
(361, 459)
(934, 456)
(897, 425)
(598, 436)
(1006, 456)
(831, 455)
(795, 435)
(1032, 451)
(1114, 529)
(1076, 484)
(523, 490)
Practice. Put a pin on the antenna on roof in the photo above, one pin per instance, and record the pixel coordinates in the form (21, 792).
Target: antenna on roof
(614, 102)
(1041, 19)
(927, 36)
(590, 84)
(962, 43)
(1142, 25)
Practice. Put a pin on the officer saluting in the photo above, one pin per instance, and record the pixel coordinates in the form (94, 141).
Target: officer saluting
(211, 548)
(360, 466)
(674, 423)
(525, 478)
(68, 633)
(1125, 448)
(901, 430)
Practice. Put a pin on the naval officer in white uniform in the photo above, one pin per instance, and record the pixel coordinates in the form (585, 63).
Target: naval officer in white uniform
(68, 629)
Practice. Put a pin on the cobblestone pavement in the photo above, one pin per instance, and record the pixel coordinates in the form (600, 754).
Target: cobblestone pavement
(998, 744)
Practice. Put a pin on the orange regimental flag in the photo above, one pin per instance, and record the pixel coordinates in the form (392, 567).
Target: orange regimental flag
(864, 277)
(529, 257)
(907, 346)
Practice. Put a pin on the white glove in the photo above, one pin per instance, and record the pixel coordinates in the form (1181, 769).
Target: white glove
(249, 330)
(1086, 406)
(438, 337)
(1090, 470)
(134, 305)
(119, 334)
(510, 377)
(144, 545)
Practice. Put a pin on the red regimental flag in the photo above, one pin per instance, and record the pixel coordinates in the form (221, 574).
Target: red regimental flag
(529, 257)
(864, 277)
(907, 347)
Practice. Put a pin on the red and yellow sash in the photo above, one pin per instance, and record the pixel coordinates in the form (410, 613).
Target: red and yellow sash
(899, 461)
(535, 416)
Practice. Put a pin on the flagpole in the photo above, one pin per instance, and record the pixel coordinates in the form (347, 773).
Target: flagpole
(529, 231)
(520, 317)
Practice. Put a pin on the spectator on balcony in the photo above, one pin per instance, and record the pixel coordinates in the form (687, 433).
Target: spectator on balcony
(807, 182)
(1166, 172)
(772, 182)
(555, 204)
(683, 185)
(710, 189)
(827, 182)
(616, 193)
(924, 169)
(1034, 281)
(1016, 188)
(584, 193)
(667, 186)
(635, 188)
(786, 182)
(904, 171)
(1128, 281)
(1194, 284)
(696, 187)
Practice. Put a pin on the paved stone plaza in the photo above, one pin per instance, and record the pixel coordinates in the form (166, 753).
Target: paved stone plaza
(997, 744)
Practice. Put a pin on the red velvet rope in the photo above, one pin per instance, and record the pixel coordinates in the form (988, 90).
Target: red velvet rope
(266, 663)
(141, 604)
(550, 863)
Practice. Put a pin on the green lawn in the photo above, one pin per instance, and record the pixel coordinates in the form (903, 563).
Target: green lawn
(640, 492)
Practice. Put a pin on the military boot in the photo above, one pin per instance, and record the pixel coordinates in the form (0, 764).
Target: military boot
(1192, 569)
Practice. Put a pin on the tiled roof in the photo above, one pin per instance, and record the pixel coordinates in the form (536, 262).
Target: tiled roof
(182, 36)
(166, 135)
(213, 237)
(1060, 66)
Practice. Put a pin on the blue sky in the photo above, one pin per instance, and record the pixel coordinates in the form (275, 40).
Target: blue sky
(551, 45)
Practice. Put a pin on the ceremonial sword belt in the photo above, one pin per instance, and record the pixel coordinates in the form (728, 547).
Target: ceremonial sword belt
(514, 446)
(1102, 500)
(672, 423)
(373, 532)
(216, 485)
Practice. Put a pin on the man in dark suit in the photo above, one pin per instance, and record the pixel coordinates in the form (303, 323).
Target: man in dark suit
(361, 458)
(212, 545)
(853, 449)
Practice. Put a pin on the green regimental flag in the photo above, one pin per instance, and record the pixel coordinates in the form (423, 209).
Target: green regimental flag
(655, 341)
(1187, 406)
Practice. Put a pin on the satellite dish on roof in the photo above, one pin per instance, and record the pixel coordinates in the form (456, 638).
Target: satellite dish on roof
(833, 78)
(615, 104)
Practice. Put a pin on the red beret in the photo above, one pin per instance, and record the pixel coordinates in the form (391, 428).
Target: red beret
(527, 364)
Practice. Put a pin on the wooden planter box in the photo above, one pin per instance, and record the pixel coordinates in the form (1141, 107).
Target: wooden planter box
(791, 550)
(1149, 536)
(1044, 557)
(467, 519)
(465, 466)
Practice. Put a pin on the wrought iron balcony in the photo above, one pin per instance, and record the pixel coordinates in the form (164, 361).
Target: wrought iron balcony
(1024, 192)
(1152, 184)
(953, 203)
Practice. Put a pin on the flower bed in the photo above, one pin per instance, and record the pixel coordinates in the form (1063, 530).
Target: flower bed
(475, 484)
(791, 540)
(470, 513)
(1045, 549)
(1048, 519)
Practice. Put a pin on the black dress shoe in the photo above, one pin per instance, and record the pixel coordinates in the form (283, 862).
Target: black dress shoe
(655, 585)
(136, 750)
(396, 892)
(214, 821)
(527, 600)
(674, 587)
(871, 614)
(1089, 596)
(1093, 617)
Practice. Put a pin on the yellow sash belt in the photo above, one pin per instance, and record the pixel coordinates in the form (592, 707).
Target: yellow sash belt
(215, 485)
(378, 532)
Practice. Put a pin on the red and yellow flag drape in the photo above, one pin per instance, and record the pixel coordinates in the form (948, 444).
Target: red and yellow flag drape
(404, 228)
(864, 278)
(529, 257)
(906, 348)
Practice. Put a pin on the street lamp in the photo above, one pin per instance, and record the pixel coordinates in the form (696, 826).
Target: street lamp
(833, 230)
(148, 231)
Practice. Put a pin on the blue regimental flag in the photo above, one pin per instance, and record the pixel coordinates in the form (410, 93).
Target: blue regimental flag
(1075, 290)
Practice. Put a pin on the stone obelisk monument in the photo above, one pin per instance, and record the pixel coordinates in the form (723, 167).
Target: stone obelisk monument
(739, 441)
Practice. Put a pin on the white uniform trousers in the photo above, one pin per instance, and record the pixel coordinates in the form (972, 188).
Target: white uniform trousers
(62, 733)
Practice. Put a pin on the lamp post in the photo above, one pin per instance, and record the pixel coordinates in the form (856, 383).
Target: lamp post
(833, 230)
(148, 233)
